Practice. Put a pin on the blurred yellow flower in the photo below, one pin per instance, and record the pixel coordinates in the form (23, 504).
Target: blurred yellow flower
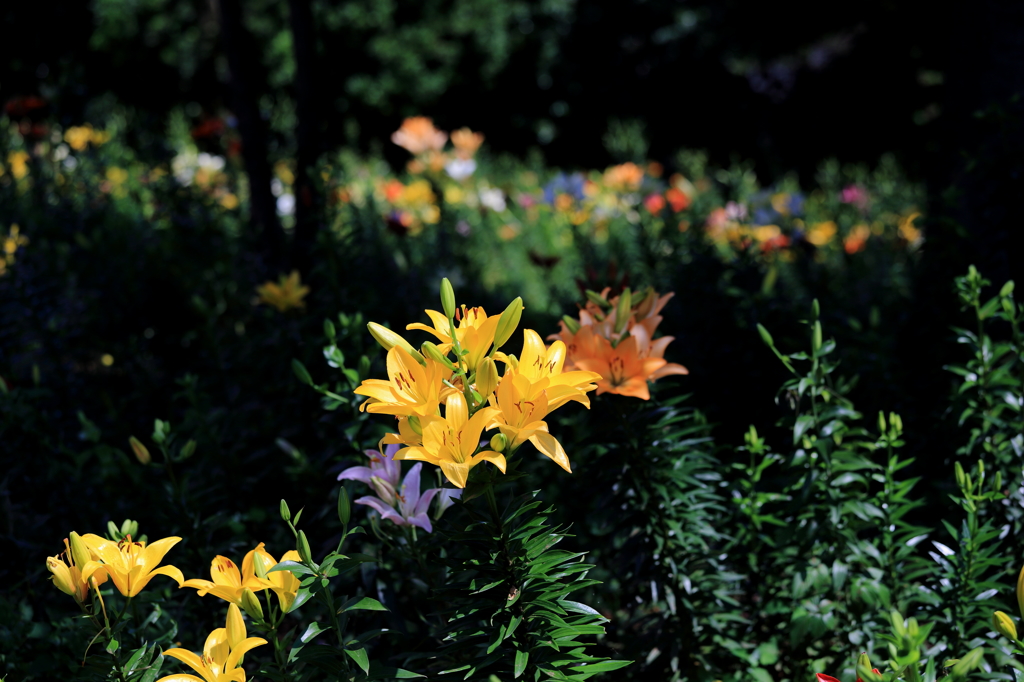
(222, 653)
(129, 564)
(285, 294)
(780, 202)
(418, 192)
(229, 201)
(907, 230)
(117, 176)
(80, 137)
(821, 233)
(18, 161)
(508, 232)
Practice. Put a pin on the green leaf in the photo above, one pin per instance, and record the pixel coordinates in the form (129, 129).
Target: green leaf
(312, 631)
(520, 664)
(291, 566)
(360, 657)
(301, 372)
(112, 646)
(362, 604)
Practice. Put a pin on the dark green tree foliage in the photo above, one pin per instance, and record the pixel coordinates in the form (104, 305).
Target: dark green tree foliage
(510, 599)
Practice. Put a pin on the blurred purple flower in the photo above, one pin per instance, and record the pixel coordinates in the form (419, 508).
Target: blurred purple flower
(734, 211)
(856, 195)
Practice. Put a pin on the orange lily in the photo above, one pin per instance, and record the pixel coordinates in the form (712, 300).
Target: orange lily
(130, 565)
(411, 388)
(626, 368)
(450, 443)
(222, 653)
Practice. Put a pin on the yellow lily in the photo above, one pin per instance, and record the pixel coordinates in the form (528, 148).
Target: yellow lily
(519, 417)
(222, 653)
(129, 564)
(411, 388)
(284, 294)
(67, 568)
(450, 443)
(475, 331)
(228, 583)
(542, 366)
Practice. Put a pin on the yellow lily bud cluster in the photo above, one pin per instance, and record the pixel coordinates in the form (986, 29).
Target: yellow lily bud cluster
(449, 392)
(614, 337)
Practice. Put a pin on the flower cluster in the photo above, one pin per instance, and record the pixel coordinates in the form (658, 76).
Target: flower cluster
(419, 137)
(615, 340)
(446, 395)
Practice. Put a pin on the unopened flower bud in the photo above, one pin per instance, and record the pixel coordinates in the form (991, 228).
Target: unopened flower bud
(572, 325)
(623, 310)
(1007, 289)
(260, 565)
(865, 672)
(815, 309)
(961, 480)
(414, 424)
(140, 450)
(389, 339)
(187, 450)
(79, 552)
(816, 340)
(385, 490)
(645, 306)
(508, 322)
(286, 513)
(598, 299)
(1020, 592)
(881, 422)
(486, 377)
(302, 547)
(344, 507)
(447, 298)
(251, 605)
(1004, 625)
(499, 442)
(431, 351)
(235, 626)
(765, 336)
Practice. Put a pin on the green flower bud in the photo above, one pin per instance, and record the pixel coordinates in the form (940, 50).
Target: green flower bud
(508, 322)
(961, 478)
(251, 605)
(1007, 289)
(414, 424)
(259, 565)
(447, 298)
(140, 450)
(623, 310)
(389, 339)
(572, 325)
(302, 547)
(881, 422)
(187, 450)
(765, 336)
(1004, 625)
(431, 351)
(816, 340)
(815, 309)
(499, 442)
(344, 507)
(966, 664)
(598, 299)
(286, 513)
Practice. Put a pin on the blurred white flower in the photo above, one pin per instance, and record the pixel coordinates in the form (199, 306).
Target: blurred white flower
(286, 204)
(493, 199)
(460, 169)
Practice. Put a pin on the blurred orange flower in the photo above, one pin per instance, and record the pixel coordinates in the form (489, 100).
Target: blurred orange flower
(466, 142)
(857, 239)
(418, 135)
(624, 177)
